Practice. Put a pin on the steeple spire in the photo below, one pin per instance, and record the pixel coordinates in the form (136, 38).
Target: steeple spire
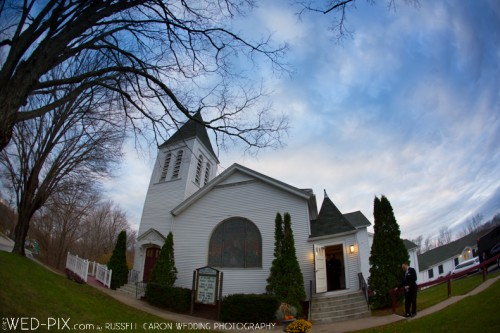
(192, 128)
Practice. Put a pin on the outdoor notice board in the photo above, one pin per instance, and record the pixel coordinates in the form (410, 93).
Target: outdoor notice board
(207, 285)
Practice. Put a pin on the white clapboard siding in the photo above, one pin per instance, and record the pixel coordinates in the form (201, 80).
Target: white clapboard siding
(255, 200)
(163, 196)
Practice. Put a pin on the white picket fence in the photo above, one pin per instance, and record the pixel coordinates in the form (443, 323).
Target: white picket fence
(78, 266)
(103, 275)
(83, 268)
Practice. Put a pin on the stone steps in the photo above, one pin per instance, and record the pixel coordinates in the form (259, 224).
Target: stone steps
(131, 289)
(335, 308)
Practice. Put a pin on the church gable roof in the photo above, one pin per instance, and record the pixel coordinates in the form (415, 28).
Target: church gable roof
(193, 128)
(357, 219)
(330, 221)
(221, 180)
(152, 235)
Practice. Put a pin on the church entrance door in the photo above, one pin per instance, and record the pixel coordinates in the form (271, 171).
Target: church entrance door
(335, 267)
(152, 254)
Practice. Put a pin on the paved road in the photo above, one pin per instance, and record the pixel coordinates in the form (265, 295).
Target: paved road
(6, 244)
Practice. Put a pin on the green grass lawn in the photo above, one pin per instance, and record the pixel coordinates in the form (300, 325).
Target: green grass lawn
(28, 290)
(477, 313)
(436, 294)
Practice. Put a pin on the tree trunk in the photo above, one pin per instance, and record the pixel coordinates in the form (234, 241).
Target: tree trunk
(20, 233)
(25, 212)
(6, 126)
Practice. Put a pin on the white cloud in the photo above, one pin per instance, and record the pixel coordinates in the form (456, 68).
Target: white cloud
(408, 109)
(128, 188)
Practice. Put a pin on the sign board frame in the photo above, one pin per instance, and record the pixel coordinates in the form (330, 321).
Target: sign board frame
(207, 287)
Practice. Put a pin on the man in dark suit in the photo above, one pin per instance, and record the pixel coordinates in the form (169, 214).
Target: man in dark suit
(409, 283)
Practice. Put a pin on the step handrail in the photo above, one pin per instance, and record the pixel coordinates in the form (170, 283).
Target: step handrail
(364, 287)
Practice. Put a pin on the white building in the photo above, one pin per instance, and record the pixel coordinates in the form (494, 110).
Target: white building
(440, 261)
(227, 221)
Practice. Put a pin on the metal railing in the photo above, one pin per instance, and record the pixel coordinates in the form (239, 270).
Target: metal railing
(133, 276)
(364, 287)
(140, 289)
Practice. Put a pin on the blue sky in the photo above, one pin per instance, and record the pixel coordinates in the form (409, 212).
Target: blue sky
(409, 107)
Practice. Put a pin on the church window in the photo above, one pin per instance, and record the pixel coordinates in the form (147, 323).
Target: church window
(177, 166)
(166, 164)
(197, 178)
(207, 174)
(235, 243)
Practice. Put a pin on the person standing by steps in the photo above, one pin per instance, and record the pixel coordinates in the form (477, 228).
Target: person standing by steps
(409, 283)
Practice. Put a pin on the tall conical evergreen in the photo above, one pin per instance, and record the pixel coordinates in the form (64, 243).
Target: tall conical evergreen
(164, 272)
(286, 280)
(387, 254)
(118, 262)
(295, 280)
(274, 281)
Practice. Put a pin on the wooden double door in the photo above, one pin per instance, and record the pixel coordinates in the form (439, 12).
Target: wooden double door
(152, 254)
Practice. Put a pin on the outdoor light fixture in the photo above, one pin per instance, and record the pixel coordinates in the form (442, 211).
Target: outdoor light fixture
(351, 248)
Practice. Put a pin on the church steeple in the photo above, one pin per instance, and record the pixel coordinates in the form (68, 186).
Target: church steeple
(192, 128)
(185, 163)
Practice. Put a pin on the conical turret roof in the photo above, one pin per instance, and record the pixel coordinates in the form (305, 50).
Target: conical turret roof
(330, 220)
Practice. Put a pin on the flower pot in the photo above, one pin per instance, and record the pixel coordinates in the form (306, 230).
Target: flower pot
(286, 323)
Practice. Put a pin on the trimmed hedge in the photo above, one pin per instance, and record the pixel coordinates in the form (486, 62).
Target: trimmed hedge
(249, 308)
(175, 298)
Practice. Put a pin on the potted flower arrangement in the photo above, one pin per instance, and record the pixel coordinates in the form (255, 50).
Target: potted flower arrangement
(286, 314)
(299, 326)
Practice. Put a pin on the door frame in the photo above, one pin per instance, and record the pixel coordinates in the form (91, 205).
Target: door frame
(345, 263)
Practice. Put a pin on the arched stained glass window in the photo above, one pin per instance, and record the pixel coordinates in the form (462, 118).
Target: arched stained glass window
(235, 243)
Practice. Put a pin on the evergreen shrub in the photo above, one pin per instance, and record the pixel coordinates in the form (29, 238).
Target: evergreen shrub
(118, 262)
(249, 308)
(174, 298)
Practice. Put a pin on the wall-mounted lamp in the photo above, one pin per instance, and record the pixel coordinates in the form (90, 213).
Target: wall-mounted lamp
(351, 248)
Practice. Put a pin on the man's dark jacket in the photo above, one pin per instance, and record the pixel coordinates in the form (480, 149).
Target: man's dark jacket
(409, 279)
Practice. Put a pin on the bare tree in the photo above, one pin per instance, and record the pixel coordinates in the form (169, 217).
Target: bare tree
(73, 145)
(100, 230)
(474, 224)
(57, 227)
(418, 241)
(444, 236)
(80, 222)
(338, 9)
(165, 60)
(429, 244)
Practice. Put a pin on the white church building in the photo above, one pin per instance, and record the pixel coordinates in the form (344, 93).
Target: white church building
(226, 221)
